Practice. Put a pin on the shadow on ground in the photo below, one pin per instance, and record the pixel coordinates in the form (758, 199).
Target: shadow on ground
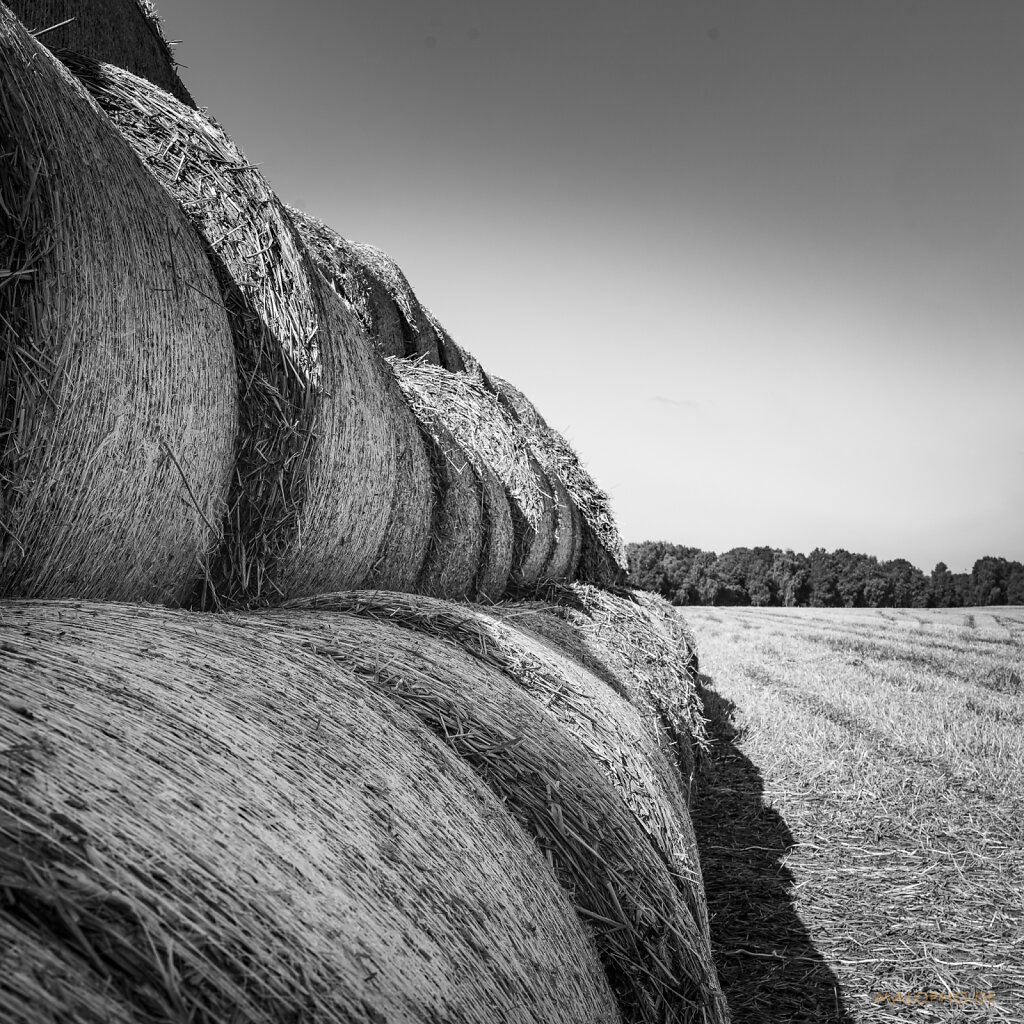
(767, 964)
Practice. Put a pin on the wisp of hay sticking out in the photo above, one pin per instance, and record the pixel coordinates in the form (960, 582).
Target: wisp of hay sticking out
(452, 357)
(205, 818)
(492, 439)
(654, 955)
(628, 742)
(126, 33)
(635, 641)
(332, 487)
(119, 404)
(602, 558)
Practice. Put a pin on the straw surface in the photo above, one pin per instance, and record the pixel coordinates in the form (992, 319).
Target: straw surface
(119, 404)
(452, 357)
(457, 532)
(122, 32)
(639, 646)
(492, 439)
(602, 557)
(204, 818)
(567, 549)
(376, 309)
(653, 951)
(628, 743)
(332, 485)
(417, 330)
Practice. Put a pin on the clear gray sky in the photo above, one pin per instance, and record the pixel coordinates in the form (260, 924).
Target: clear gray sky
(762, 261)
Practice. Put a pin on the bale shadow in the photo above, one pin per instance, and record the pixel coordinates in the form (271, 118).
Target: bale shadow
(767, 964)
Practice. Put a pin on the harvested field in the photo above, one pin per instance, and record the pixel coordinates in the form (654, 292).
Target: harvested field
(120, 406)
(332, 484)
(126, 33)
(860, 815)
(650, 944)
(493, 440)
(213, 818)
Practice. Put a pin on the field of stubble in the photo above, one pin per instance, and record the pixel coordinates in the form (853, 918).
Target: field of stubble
(861, 813)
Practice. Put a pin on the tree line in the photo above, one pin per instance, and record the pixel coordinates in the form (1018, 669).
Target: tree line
(823, 579)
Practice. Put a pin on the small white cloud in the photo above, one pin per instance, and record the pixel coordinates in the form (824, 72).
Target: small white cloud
(679, 403)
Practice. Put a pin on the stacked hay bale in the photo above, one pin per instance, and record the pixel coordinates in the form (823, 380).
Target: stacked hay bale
(122, 32)
(119, 407)
(654, 951)
(332, 485)
(492, 440)
(602, 557)
(205, 818)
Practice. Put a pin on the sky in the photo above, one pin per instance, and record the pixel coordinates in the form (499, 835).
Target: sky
(761, 261)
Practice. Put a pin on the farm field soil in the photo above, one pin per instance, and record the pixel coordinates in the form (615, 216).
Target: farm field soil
(861, 812)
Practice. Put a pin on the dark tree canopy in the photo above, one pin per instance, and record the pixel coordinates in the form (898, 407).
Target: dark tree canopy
(822, 579)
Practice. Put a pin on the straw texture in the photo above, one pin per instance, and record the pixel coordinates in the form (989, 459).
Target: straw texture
(641, 648)
(332, 486)
(602, 557)
(376, 309)
(457, 532)
(203, 818)
(122, 32)
(654, 954)
(627, 742)
(567, 549)
(492, 439)
(119, 404)
(452, 357)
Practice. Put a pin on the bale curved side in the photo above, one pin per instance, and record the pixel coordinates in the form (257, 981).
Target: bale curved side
(376, 309)
(451, 356)
(457, 530)
(119, 407)
(649, 943)
(498, 552)
(207, 820)
(637, 646)
(418, 331)
(629, 743)
(122, 32)
(602, 559)
(491, 438)
(332, 486)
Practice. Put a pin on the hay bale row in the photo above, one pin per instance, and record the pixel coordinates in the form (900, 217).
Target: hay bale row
(119, 407)
(637, 643)
(379, 292)
(126, 33)
(602, 558)
(220, 818)
(332, 485)
(654, 952)
(627, 741)
(492, 440)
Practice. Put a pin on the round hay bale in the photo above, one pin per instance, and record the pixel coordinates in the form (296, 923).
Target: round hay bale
(122, 32)
(499, 538)
(417, 331)
(457, 532)
(654, 953)
(119, 407)
(602, 559)
(491, 438)
(333, 485)
(334, 258)
(640, 650)
(451, 356)
(203, 818)
(566, 551)
(629, 743)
